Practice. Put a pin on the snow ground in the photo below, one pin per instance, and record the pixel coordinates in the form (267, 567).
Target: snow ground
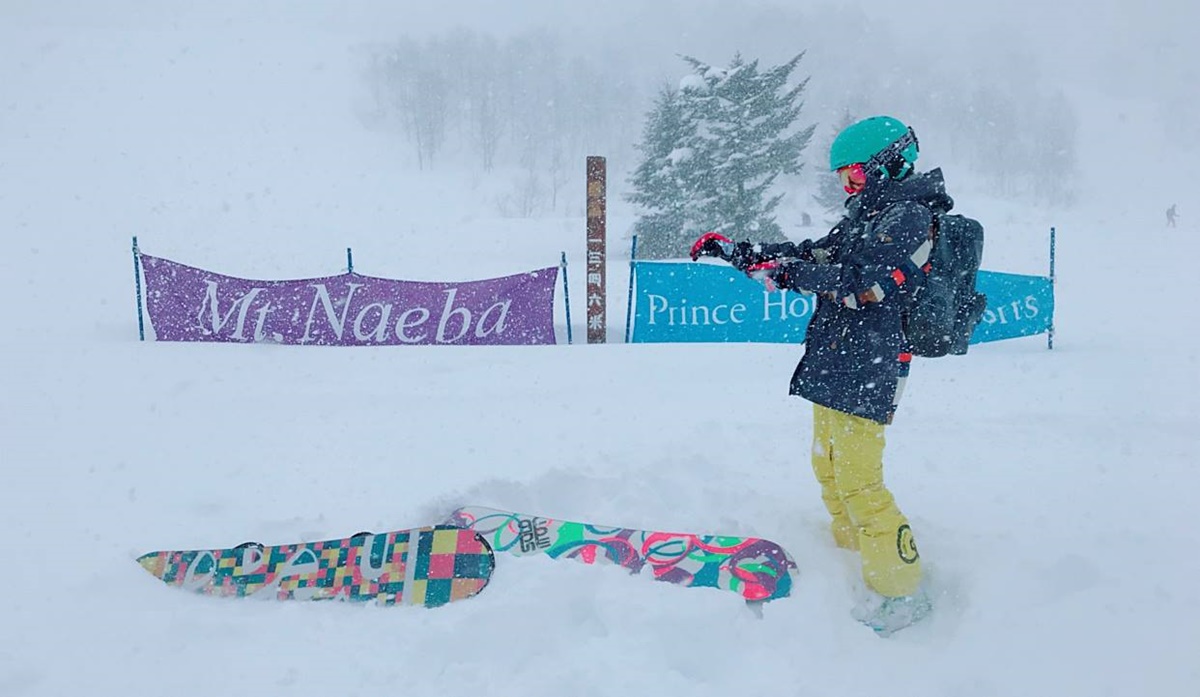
(1051, 491)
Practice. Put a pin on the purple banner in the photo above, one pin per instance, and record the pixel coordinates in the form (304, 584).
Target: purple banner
(189, 304)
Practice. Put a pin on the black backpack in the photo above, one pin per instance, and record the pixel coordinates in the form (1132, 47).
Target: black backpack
(943, 312)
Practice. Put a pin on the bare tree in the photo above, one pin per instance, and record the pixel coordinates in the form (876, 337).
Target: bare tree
(475, 79)
(1055, 161)
(418, 97)
(508, 102)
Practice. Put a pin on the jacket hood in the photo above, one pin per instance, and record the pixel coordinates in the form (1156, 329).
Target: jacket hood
(927, 188)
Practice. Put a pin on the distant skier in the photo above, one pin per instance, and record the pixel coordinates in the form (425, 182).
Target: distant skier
(856, 357)
(1171, 215)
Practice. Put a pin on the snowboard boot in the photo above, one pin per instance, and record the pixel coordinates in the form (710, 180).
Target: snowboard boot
(888, 615)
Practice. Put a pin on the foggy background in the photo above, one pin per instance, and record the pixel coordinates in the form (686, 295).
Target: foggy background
(1063, 104)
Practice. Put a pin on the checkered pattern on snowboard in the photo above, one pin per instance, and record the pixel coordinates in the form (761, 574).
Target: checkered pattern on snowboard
(449, 564)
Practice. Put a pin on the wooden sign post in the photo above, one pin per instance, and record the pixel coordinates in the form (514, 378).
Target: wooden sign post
(597, 326)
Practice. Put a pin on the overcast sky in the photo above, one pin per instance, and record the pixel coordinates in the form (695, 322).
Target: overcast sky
(1153, 42)
(1070, 34)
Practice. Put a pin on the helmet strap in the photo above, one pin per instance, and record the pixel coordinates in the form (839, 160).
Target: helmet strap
(884, 161)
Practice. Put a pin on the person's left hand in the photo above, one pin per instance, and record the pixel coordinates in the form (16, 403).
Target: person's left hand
(713, 244)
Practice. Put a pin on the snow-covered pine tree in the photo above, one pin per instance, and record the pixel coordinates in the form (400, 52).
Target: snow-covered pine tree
(746, 134)
(662, 184)
(830, 196)
(712, 150)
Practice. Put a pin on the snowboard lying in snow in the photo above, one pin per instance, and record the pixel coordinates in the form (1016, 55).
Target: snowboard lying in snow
(754, 568)
(428, 566)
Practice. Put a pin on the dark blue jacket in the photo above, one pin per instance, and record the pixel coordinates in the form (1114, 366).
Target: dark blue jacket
(862, 271)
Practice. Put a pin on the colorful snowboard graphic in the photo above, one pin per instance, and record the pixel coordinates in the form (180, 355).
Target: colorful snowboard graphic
(754, 568)
(450, 564)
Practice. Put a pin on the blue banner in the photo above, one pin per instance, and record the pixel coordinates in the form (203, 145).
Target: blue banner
(708, 302)
(1017, 306)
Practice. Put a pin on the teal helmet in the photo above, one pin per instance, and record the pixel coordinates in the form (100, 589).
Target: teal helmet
(881, 141)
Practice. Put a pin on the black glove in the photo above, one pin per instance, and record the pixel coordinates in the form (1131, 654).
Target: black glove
(712, 244)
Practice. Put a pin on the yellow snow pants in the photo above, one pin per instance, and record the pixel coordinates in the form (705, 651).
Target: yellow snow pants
(847, 457)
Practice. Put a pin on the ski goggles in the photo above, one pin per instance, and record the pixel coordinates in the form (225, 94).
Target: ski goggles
(853, 178)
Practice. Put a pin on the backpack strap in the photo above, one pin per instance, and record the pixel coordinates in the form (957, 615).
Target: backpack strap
(919, 262)
(917, 265)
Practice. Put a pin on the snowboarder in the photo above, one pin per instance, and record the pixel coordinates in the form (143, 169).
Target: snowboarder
(1171, 215)
(856, 358)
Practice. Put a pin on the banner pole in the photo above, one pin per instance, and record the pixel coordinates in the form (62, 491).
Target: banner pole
(137, 284)
(1050, 333)
(629, 301)
(566, 295)
(349, 261)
